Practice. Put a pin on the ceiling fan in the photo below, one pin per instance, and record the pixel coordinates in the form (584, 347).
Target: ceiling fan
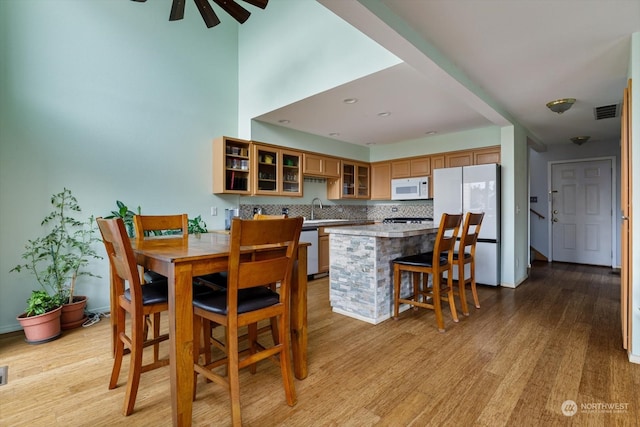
(210, 18)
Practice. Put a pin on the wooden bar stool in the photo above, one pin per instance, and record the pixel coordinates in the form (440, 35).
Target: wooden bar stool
(466, 254)
(436, 263)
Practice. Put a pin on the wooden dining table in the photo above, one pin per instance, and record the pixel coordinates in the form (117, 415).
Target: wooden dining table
(180, 259)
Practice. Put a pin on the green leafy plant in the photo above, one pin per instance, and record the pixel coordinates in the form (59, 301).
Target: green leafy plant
(40, 302)
(197, 225)
(59, 257)
(127, 216)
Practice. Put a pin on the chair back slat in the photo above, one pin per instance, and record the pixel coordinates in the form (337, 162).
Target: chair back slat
(273, 245)
(147, 225)
(447, 235)
(471, 230)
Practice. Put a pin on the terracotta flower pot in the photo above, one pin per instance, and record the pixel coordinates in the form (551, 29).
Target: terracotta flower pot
(42, 328)
(73, 314)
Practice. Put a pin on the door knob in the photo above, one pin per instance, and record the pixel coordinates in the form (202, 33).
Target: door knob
(555, 219)
(555, 211)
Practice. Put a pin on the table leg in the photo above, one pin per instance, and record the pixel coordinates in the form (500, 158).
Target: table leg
(299, 315)
(181, 343)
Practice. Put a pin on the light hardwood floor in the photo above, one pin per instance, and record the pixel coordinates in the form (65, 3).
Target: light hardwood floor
(513, 362)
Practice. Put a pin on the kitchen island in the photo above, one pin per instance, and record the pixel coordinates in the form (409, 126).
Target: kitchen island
(361, 269)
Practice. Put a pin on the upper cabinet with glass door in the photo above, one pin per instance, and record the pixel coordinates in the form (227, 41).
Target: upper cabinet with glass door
(353, 183)
(277, 172)
(231, 166)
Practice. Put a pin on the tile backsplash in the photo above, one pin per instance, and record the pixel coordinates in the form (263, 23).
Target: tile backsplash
(371, 212)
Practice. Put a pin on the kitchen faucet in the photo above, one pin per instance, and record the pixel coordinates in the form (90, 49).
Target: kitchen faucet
(313, 202)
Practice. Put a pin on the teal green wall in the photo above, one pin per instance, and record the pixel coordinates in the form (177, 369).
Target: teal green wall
(295, 49)
(481, 137)
(113, 101)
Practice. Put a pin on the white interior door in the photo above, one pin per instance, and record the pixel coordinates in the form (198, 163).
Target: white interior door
(582, 209)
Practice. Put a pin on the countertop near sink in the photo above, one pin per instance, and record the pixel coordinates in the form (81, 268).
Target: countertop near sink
(316, 223)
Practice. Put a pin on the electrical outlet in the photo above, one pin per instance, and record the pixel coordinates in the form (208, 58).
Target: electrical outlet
(214, 211)
(285, 211)
(4, 372)
(394, 209)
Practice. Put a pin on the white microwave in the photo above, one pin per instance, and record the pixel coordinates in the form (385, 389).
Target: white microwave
(410, 188)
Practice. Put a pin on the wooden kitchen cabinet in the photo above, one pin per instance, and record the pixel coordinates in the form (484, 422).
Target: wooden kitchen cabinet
(276, 172)
(322, 166)
(231, 166)
(413, 167)
(323, 251)
(437, 161)
(353, 183)
(486, 155)
(381, 181)
(458, 158)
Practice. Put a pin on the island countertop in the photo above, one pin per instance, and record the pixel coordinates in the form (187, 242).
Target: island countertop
(385, 230)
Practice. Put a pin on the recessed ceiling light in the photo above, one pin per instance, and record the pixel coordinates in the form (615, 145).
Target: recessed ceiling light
(350, 100)
(384, 114)
(431, 132)
(334, 134)
(284, 121)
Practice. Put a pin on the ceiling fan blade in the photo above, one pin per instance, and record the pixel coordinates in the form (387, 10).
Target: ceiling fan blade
(177, 10)
(259, 3)
(209, 16)
(239, 13)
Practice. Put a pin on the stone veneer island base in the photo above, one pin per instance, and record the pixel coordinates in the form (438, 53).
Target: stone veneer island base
(361, 269)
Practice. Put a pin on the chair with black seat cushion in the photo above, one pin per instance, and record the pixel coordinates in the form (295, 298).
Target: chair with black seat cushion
(137, 300)
(219, 281)
(260, 253)
(434, 263)
(467, 247)
(161, 226)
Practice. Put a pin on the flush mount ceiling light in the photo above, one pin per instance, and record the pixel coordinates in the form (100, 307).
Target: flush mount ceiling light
(334, 134)
(431, 132)
(210, 18)
(579, 140)
(384, 114)
(284, 121)
(350, 100)
(561, 105)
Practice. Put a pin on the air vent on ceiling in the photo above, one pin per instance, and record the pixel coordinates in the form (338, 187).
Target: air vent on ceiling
(607, 112)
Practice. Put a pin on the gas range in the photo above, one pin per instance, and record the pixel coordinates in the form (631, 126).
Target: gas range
(406, 220)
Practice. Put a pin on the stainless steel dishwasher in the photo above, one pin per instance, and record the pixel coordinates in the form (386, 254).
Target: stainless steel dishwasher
(311, 236)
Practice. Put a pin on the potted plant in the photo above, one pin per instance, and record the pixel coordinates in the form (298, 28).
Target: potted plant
(41, 320)
(127, 216)
(60, 256)
(197, 226)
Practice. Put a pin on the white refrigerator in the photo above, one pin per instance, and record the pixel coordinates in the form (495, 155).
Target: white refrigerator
(473, 189)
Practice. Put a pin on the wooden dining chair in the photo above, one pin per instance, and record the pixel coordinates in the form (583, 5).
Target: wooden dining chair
(161, 226)
(466, 254)
(248, 300)
(137, 300)
(219, 280)
(265, 216)
(434, 263)
(149, 226)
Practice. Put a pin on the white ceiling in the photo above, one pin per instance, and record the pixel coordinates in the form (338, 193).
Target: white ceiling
(520, 53)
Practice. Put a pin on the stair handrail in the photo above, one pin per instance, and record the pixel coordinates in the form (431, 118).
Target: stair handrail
(537, 213)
